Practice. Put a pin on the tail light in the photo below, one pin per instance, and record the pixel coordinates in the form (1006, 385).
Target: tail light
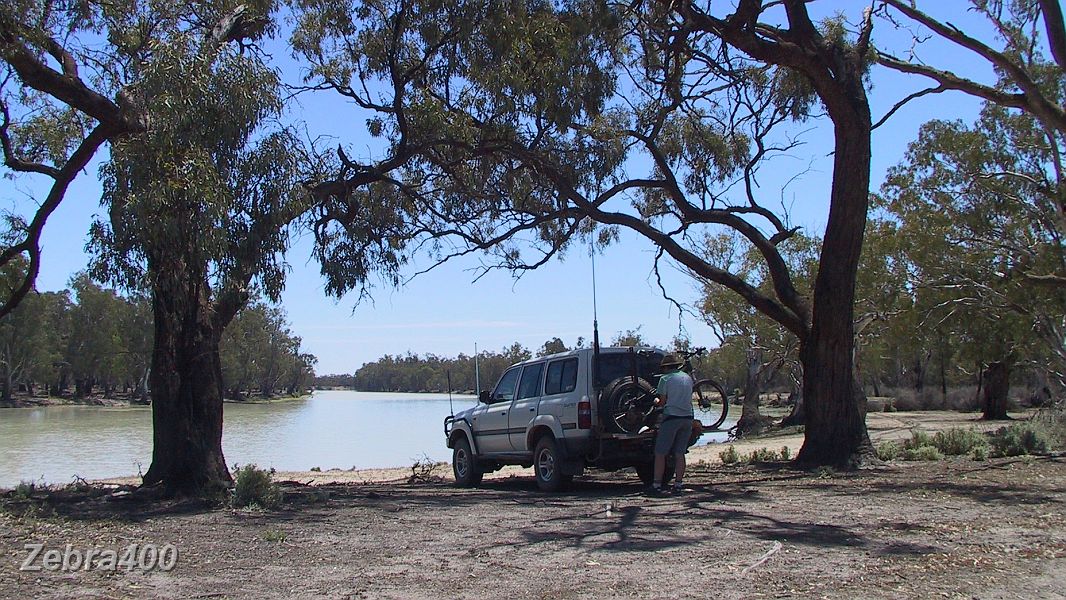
(584, 414)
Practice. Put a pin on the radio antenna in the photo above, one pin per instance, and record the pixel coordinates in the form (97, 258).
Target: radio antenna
(450, 407)
(595, 322)
(477, 373)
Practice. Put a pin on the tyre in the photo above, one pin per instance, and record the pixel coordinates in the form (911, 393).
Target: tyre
(710, 403)
(548, 466)
(625, 404)
(464, 465)
(646, 471)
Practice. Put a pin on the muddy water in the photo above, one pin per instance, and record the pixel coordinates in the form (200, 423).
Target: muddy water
(331, 429)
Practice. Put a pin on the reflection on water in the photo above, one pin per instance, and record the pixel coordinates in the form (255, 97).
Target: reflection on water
(330, 429)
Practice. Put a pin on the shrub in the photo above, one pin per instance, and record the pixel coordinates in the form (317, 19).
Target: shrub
(909, 399)
(1053, 422)
(729, 456)
(918, 439)
(24, 490)
(957, 442)
(963, 399)
(888, 450)
(253, 486)
(762, 455)
(786, 453)
(980, 453)
(274, 535)
(1019, 439)
(927, 453)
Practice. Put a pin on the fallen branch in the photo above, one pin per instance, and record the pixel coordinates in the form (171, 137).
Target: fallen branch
(764, 558)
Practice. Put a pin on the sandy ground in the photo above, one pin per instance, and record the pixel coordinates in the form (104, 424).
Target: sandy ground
(949, 529)
(882, 427)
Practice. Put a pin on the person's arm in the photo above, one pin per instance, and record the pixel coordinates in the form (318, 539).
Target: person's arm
(660, 392)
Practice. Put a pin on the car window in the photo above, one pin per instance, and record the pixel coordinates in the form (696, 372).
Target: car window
(530, 385)
(504, 391)
(561, 377)
(620, 364)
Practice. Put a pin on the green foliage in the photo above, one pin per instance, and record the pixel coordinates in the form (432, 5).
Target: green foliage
(786, 453)
(274, 535)
(254, 487)
(24, 490)
(922, 453)
(260, 353)
(957, 442)
(761, 455)
(888, 450)
(729, 456)
(1020, 439)
(975, 206)
(429, 373)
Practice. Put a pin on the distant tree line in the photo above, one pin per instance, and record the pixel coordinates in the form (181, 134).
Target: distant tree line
(429, 373)
(90, 340)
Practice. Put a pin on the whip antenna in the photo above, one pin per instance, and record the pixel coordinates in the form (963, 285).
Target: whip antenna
(595, 322)
(450, 408)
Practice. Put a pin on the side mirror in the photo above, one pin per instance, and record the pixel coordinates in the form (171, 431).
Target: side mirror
(485, 396)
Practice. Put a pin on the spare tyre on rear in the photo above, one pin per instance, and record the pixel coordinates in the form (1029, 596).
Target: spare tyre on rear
(625, 404)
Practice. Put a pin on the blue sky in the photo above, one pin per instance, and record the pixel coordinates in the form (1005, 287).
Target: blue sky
(446, 312)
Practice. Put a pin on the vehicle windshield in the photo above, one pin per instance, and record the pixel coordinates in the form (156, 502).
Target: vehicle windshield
(620, 364)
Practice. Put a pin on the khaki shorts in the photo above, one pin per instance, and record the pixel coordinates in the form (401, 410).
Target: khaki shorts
(673, 437)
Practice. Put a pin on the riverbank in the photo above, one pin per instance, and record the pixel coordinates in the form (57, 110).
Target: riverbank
(26, 401)
(881, 426)
(953, 529)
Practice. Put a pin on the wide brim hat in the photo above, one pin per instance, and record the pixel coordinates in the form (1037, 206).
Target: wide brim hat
(671, 360)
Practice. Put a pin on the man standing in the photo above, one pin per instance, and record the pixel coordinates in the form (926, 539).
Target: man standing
(674, 394)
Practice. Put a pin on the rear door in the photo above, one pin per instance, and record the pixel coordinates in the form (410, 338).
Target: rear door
(560, 396)
(490, 421)
(524, 409)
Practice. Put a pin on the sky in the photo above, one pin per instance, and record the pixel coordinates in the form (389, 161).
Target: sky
(446, 312)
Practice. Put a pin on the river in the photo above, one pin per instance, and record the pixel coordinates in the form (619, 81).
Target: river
(330, 429)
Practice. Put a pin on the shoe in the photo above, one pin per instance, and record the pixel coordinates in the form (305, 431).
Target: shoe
(654, 492)
(678, 490)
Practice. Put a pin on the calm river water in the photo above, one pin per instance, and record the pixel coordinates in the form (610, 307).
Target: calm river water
(330, 429)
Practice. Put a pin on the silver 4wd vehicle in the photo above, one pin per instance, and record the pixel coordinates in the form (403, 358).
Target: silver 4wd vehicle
(567, 412)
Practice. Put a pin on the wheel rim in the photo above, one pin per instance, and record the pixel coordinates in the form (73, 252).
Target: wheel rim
(546, 465)
(462, 463)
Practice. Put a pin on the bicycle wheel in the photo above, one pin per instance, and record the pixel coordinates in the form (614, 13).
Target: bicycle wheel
(710, 403)
(626, 404)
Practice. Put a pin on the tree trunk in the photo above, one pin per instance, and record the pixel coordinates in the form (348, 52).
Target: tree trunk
(995, 383)
(186, 389)
(751, 421)
(835, 432)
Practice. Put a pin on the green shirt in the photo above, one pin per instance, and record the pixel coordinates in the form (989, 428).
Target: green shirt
(677, 387)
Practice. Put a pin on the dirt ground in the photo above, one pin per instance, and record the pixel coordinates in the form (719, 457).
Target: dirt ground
(952, 529)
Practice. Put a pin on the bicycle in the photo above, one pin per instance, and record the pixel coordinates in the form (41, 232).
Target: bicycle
(631, 400)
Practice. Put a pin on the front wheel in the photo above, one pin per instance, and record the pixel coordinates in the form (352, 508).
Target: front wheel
(548, 466)
(464, 465)
(710, 403)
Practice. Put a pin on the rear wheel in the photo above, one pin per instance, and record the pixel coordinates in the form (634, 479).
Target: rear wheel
(646, 471)
(464, 465)
(548, 466)
(710, 403)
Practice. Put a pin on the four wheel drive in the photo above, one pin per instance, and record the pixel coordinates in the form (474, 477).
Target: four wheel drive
(553, 414)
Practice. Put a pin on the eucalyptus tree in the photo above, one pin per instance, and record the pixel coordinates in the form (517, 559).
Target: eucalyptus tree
(523, 125)
(198, 188)
(758, 343)
(976, 206)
